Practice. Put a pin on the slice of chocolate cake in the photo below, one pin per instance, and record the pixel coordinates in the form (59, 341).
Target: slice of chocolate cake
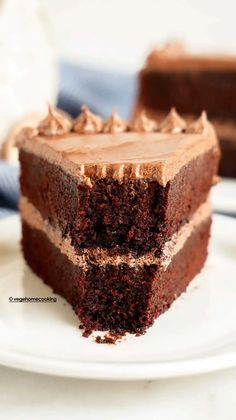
(116, 218)
(192, 82)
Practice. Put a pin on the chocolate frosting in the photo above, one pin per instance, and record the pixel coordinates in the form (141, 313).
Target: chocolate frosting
(199, 126)
(87, 122)
(157, 156)
(173, 123)
(115, 124)
(225, 129)
(116, 154)
(144, 124)
(171, 50)
(56, 123)
(174, 57)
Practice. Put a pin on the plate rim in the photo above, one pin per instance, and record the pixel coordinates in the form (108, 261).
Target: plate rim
(115, 371)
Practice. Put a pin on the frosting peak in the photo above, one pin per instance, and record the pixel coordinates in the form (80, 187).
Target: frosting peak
(170, 50)
(87, 122)
(144, 124)
(115, 124)
(55, 123)
(200, 126)
(173, 123)
(173, 48)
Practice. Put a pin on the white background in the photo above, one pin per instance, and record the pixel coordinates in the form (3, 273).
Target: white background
(118, 33)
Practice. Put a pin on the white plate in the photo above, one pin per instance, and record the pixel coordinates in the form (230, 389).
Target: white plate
(224, 196)
(197, 334)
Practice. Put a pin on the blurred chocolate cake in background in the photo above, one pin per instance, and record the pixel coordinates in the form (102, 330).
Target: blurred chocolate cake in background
(192, 82)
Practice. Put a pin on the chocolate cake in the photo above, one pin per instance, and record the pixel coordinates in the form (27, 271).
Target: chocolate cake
(116, 218)
(192, 82)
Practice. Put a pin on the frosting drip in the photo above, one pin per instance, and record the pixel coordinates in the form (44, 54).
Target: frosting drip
(200, 126)
(56, 123)
(87, 122)
(144, 124)
(115, 124)
(173, 123)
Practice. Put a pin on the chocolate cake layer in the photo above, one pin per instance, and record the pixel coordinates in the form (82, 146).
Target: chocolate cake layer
(137, 215)
(227, 165)
(118, 298)
(189, 91)
(173, 76)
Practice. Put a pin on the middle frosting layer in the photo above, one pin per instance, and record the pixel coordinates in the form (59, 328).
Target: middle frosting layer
(33, 217)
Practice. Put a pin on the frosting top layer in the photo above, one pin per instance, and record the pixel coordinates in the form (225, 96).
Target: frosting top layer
(152, 155)
(173, 56)
(112, 152)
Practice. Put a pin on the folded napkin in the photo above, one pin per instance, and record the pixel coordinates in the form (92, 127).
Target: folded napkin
(100, 90)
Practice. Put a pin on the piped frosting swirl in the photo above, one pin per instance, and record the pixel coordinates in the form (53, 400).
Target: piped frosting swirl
(171, 50)
(115, 124)
(200, 126)
(87, 122)
(56, 123)
(144, 124)
(173, 123)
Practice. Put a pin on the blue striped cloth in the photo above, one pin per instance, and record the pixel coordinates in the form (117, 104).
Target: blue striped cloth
(9, 190)
(100, 90)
